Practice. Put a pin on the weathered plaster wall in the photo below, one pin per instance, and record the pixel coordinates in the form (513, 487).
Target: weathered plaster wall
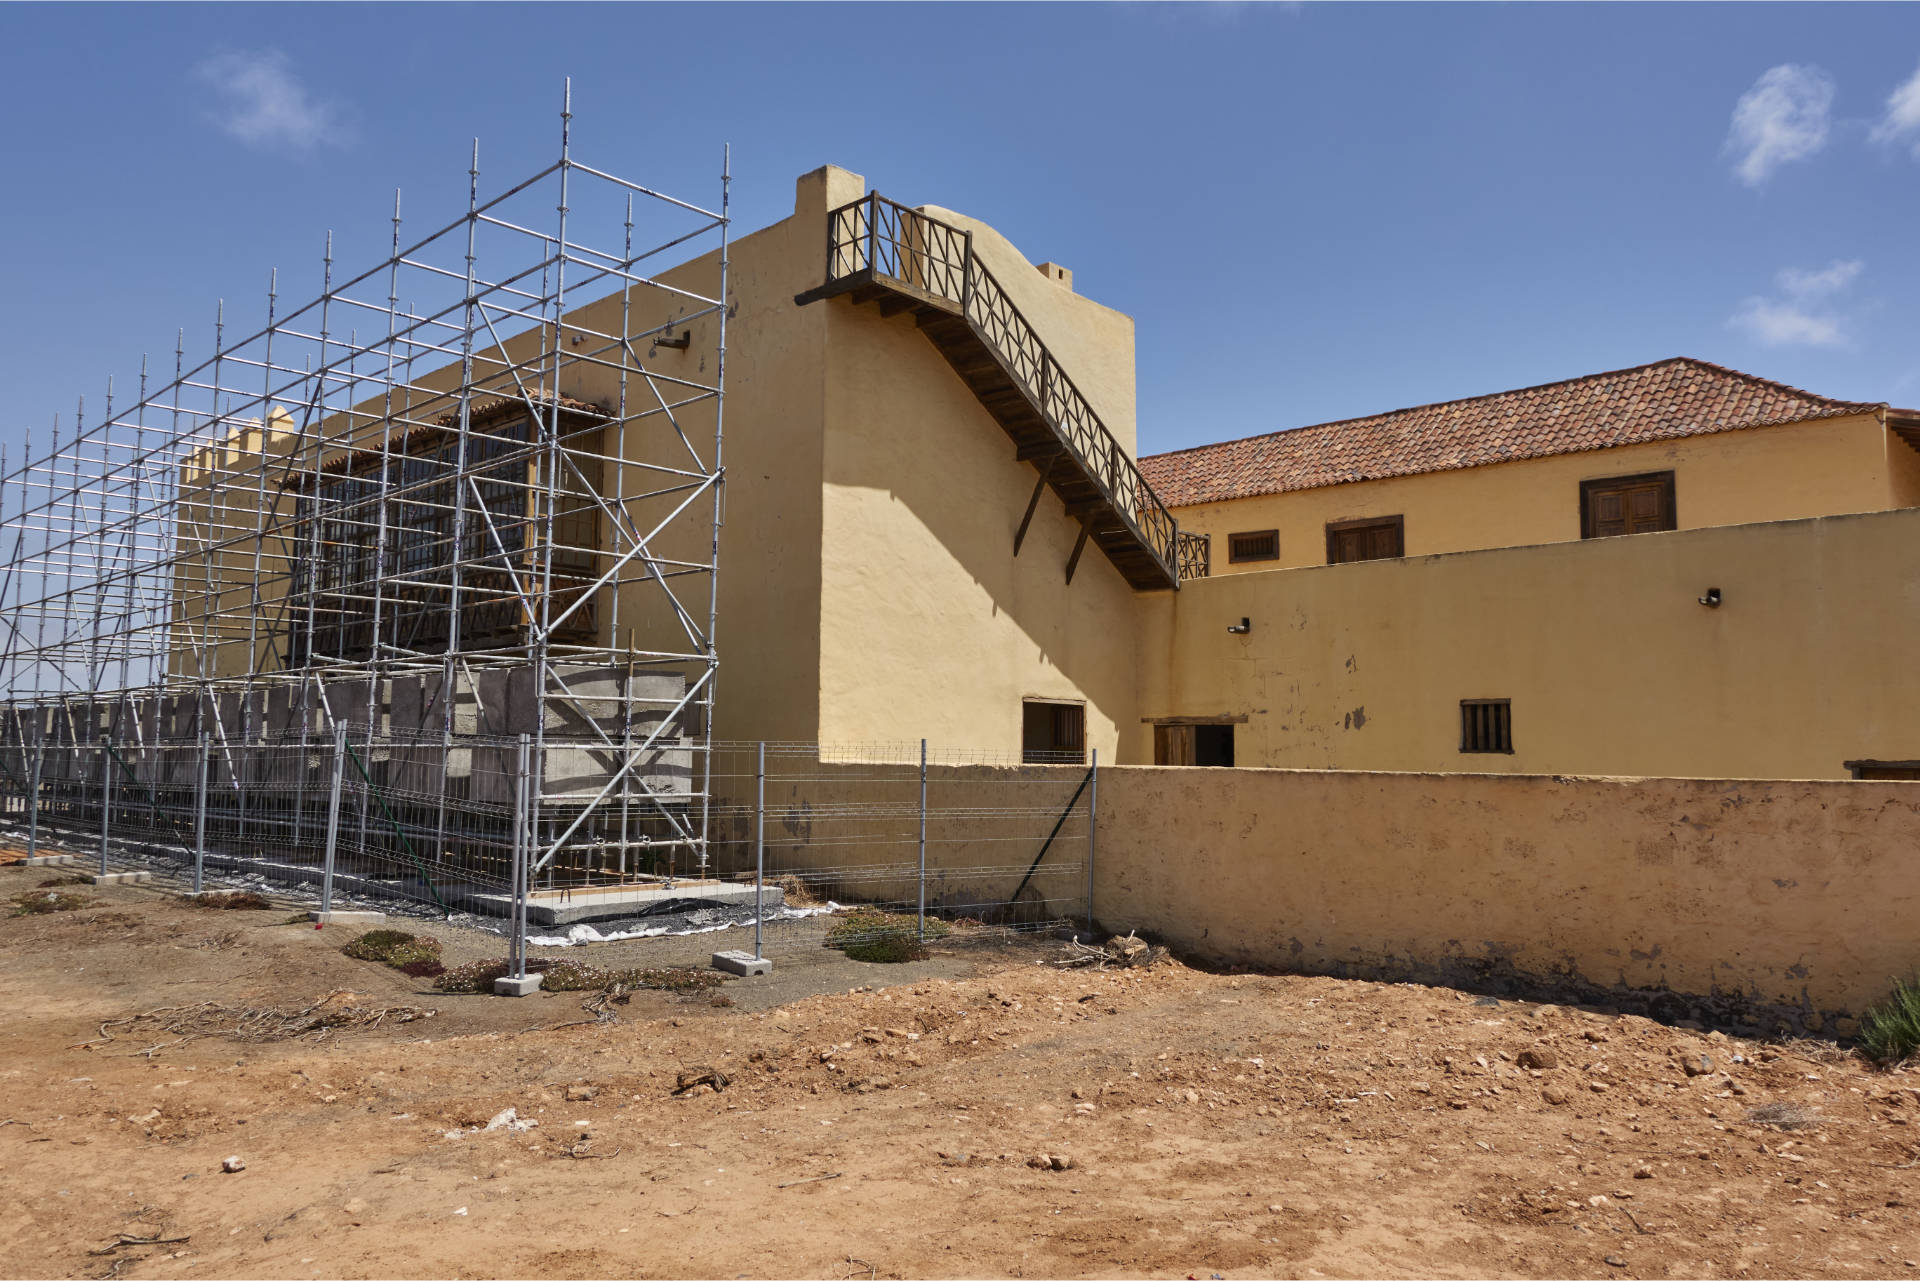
(1775, 900)
(852, 827)
(1612, 665)
(1790, 472)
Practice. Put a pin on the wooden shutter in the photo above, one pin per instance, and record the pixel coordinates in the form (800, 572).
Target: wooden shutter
(1627, 505)
(1381, 538)
(1260, 544)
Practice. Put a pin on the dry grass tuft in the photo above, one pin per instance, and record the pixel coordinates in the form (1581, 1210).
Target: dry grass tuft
(41, 902)
(337, 1011)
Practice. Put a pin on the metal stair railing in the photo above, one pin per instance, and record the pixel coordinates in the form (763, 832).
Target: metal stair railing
(887, 242)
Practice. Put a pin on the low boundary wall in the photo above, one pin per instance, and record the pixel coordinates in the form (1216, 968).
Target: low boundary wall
(1751, 903)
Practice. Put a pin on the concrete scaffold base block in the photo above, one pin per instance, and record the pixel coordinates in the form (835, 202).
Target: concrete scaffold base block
(742, 963)
(346, 918)
(510, 986)
(122, 878)
(50, 860)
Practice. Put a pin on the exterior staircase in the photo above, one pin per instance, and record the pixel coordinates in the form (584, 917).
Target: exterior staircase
(885, 253)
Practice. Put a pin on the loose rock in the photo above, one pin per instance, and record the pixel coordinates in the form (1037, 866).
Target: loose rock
(1539, 1059)
(233, 1165)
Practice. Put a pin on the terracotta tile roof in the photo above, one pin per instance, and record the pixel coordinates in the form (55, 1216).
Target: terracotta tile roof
(1662, 401)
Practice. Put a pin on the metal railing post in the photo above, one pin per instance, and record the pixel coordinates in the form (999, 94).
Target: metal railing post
(923, 840)
(517, 948)
(200, 816)
(106, 798)
(873, 233)
(1093, 829)
(333, 817)
(759, 847)
(966, 280)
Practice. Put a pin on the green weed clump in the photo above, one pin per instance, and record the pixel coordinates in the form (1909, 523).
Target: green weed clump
(41, 902)
(411, 954)
(231, 901)
(578, 976)
(478, 976)
(887, 938)
(1890, 1033)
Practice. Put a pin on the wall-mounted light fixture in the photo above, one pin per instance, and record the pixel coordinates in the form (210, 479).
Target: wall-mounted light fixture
(1712, 599)
(1246, 625)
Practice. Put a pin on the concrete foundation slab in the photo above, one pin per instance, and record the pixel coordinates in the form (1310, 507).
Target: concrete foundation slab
(507, 985)
(346, 918)
(567, 907)
(122, 878)
(51, 860)
(744, 964)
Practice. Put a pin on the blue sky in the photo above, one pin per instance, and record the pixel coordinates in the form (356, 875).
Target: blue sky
(1312, 212)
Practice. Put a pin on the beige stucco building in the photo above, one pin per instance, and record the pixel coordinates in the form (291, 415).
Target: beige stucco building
(937, 527)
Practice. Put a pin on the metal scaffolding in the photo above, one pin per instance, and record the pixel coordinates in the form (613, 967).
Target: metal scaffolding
(303, 602)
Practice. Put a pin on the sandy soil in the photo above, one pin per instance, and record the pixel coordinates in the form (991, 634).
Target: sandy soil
(1207, 1124)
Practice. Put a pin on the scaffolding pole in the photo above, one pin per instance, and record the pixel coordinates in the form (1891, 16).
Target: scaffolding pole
(460, 495)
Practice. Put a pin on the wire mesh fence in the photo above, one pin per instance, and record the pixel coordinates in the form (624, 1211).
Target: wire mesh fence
(877, 849)
(882, 848)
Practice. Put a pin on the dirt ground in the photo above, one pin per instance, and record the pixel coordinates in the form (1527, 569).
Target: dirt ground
(1208, 1124)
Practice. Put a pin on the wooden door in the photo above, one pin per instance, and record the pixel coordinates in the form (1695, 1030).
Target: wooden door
(1173, 745)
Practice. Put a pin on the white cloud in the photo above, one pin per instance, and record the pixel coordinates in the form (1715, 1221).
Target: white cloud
(1785, 324)
(1782, 118)
(1901, 124)
(265, 105)
(1801, 318)
(1831, 279)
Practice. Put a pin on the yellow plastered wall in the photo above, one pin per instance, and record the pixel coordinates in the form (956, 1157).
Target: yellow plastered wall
(1796, 895)
(1903, 472)
(1818, 468)
(930, 626)
(1092, 342)
(1611, 664)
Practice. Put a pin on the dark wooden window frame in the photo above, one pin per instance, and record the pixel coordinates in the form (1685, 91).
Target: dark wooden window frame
(1398, 523)
(1501, 728)
(1638, 478)
(1233, 545)
(1881, 771)
(1054, 755)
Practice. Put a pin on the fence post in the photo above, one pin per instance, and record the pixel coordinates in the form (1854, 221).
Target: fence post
(518, 910)
(1093, 830)
(33, 792)
(106, 798)
(333, 818)
(759, 847)
(923, 840)
(200, 815)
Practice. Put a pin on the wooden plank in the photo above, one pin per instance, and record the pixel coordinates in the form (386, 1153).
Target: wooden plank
(1073, 561)
(1039, 488)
